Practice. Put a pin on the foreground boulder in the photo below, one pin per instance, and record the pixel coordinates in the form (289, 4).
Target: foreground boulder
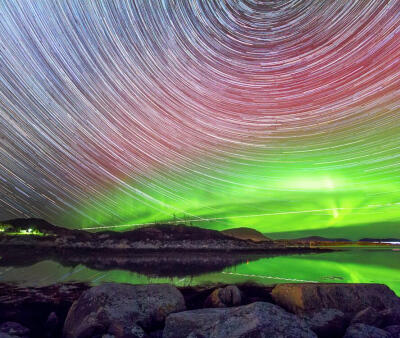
(365, 331)
(224, 297)
(181, 324)
(254, 320)
(327, 323)
(348, 298)
(122, 310)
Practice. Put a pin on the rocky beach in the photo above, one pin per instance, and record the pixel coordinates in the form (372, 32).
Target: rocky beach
(162, 310)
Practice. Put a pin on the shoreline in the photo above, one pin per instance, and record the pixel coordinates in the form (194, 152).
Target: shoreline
(259, 249)
(310, 310)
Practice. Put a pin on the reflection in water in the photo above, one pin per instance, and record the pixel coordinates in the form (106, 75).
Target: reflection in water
(151, 264)
(349, 265)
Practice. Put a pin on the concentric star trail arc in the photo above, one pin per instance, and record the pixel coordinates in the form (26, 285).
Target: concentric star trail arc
(131, 112)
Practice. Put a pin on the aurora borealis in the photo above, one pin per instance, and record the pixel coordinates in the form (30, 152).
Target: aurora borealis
(283, 116)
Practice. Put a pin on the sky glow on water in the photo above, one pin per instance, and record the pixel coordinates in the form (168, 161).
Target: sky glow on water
(347, 266)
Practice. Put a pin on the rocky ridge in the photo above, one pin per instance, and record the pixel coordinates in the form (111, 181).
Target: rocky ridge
(37, 233)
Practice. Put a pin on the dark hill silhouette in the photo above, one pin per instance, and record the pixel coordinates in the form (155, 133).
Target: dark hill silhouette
(37, 223)
(352, 231)
(156, 237)
(162, 232)
(165, 232)
(45, 227)
(246, 233)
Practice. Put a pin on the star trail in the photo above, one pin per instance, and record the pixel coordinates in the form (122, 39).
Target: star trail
(277, 115)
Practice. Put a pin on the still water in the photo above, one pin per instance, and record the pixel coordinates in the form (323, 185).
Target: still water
(355, 265)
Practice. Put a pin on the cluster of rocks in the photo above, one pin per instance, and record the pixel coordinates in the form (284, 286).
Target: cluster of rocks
(286, 310)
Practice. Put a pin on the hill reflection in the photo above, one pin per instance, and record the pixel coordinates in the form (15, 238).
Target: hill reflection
(166, 264)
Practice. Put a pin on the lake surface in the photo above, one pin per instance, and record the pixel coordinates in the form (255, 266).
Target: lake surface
(355, 265)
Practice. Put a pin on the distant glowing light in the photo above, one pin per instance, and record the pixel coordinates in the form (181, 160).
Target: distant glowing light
(312, 183)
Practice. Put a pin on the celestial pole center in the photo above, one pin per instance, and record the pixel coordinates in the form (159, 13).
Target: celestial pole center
(282, 116)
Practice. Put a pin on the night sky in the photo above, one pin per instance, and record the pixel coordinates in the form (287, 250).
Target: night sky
(279, 115)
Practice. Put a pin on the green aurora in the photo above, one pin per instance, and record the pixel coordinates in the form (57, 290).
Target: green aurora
(294, 193)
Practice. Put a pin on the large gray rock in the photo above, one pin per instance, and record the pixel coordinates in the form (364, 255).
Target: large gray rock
(365, 331)
(258, 319)
(122, 310)
(368, 316)
(181, 324)
(327, 323)
(309, 297)
(224, 297)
